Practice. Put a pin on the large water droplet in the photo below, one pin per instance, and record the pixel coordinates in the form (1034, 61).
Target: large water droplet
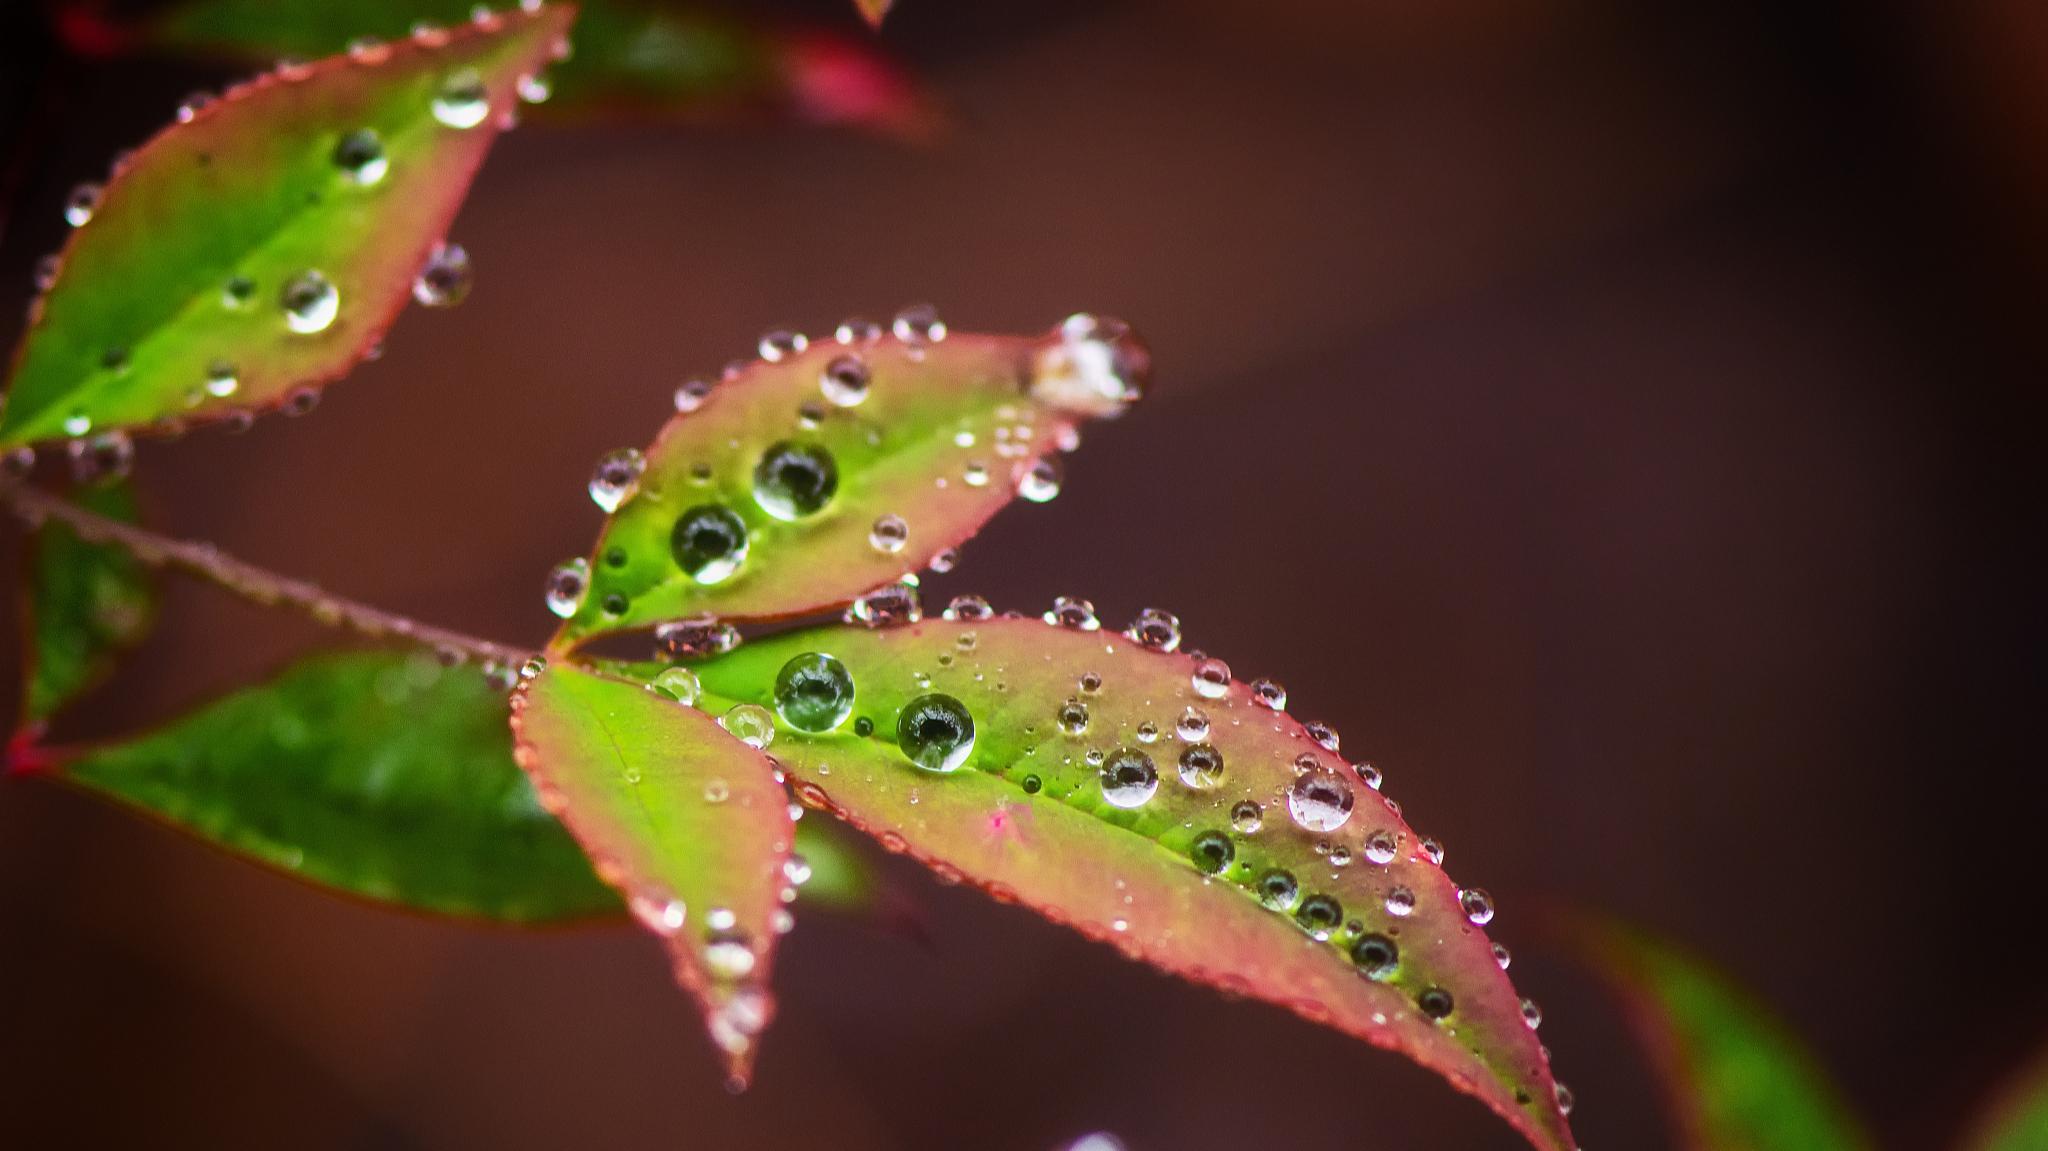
(463, 101)
(616, 478)
(1318, 801)
(1211, 678)
(310, 302)
(1128, 778)
(1201, 766)
(567, 585)
(750, 723)
(361, 158)
(814, 692)
(445, 278)
(936, 732)
(709, 542)
(794, 480)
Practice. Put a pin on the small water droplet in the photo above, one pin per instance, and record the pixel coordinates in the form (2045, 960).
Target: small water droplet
(750, 723)
(1532, 1014)
(728, 955)
(1247, 816)
(968, 607)
(368, 50)
(1323, 734)
(1192, 726)
(1381, 847)
(918, 325)
(1368, 775)
(944, 560)
(889, 535)
(46, 271)
(237, 293)
(659, 914)
(814, 692)
(616, 478)
(310, 302)
(80, 205)
(845, 379)
(1211, 678)
(1400, 901)
(936, 732)
(445, 278)
(534, 88)
(1435, 1002)
(709, 542)
(1476, 904)
(463, 101)
(677, 683)
(567, 585)
(1073, 612)
(1128, 778)
(1040, 482)
(221, 379)
(1201, 767)
(1156, 629)
(360, 156)
(1501, 956)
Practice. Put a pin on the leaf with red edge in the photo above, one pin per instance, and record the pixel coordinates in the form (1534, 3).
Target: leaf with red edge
(802, 480)
(1736, 1078)
(689, 824)
(263, 244)
(1189, 824)
(2017, 1119)
(87, 603)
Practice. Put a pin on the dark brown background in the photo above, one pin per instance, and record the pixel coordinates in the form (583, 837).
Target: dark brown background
(1607, 415)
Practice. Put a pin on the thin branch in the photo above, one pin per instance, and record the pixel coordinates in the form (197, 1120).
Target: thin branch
(251, 582)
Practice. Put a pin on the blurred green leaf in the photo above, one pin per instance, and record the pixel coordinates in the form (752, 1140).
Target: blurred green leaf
(87, 603)
(264, 244)
(377, 773)
(628, 55)
(1192, 826)
(2017, 1119)
(691, 823)
(802, 481)
(1737, 1079)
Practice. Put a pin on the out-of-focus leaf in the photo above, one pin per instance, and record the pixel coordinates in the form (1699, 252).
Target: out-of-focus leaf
(263, 244)
(874, 11)
(2017, 1119)
(1185, 822)
(833, 468)
(1736, 1079)
(377, 773)
(628, 55)
(87, 603)
(688, 822)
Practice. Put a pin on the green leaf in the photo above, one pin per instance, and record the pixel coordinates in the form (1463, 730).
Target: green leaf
(1107, 792)
(1736, 1078)
(691, 824)
(87, 603)
(376, 773)
(207, 265)
(627, 54)
(2017, 1119)
(831, 469)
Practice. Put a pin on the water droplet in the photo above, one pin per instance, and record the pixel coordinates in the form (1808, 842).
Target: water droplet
(750, 723)
(445, 278)
(463, 101)
(1201, 766)
(1400, 902)
(1380, 847)
(845, 379)
(1368, 775)
(728, 955)
(692, 395)
(1156, 629)
(944, 560)
(1192, 726)
(360, 156)
(77, 423)
(1501, 956)
(891, 605)
(1266, 693)
(1092, 366)
(237, 293)
(1476, 904)
(1211, 678)
(368, 50)
(968, 607)
(889, 535)
(1278, 890)
(658, 914)
(1565, 1101)
(814, 692)
(1073, 612)
(856, 331)
(781, 344)
(100, 459)
(1089, 683)
(677, 683)
(1320, 914)
(1040, 482)
(709, 542)
(794, 480)
(1532, 1014)
(221, 379)
(1072, 717)
(1376, 955)
(46, 271)
(310, 302)
(936, 732)
(79, 206)
(616, 478)
(975, 474)
(695, 638)
(1212, 851)
(567, 585)
(918, 325)
(1318, 801)
(1324, 735)
(535, 89)
(1435, 1002)
(1432, 851)
(1247, 817)
(1128, 778)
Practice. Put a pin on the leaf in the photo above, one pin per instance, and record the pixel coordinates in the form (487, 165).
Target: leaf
(1736, 1078)
(265, 245)
(1123, 850)
(874, 11)
(87, 603)
(2017, 1119)
(691, 824)
(928, 437)
(376, 773)
(628, 55)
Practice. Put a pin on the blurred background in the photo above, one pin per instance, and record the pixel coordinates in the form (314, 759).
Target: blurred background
(1611, 416)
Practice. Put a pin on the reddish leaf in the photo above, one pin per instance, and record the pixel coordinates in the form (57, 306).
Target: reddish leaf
(874, 11)
(689, 823)
(946, 430)
(193, 289)
(1079, 804)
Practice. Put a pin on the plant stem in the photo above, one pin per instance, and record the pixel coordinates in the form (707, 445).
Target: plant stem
(251, 582)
